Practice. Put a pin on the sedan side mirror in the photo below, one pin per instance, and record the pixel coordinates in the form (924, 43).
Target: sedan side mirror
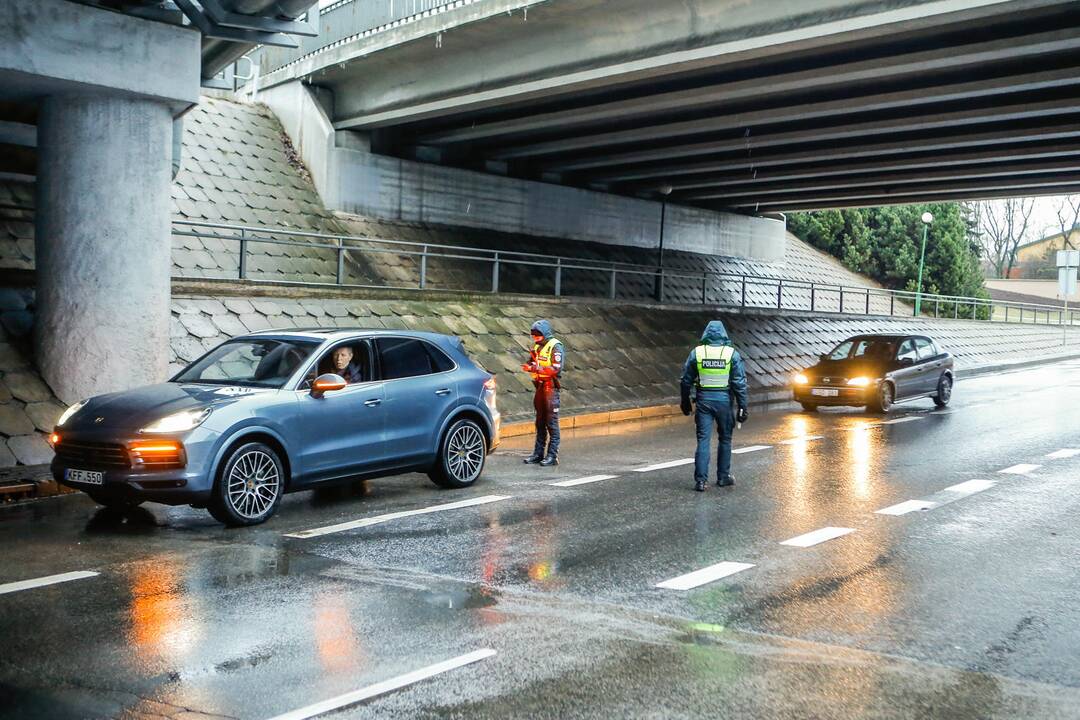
(906, 362)
(326, 383)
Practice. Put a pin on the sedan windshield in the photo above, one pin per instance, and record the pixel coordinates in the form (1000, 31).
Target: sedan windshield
(870, 348)
(256, 363)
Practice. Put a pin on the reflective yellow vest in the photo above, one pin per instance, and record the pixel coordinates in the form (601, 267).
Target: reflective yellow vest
(714, 366)
(543, 357)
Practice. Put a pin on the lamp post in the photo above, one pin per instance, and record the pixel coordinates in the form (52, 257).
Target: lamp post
(927, 218)
(658, 287)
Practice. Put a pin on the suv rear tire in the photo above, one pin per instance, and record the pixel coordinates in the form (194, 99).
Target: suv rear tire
(462, 455)
(249, 487)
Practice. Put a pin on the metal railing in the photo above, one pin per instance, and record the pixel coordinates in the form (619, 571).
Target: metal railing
(673, 286)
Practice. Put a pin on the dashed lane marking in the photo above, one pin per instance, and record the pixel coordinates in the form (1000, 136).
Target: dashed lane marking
(817, 536)
(800, 440)
(583, 481)
(944, 497)
(386, 686)
(1063, 453)
(750, 449)
(43, 581)
(1021, 469)
(377, 519)
(664, 465)
(704, 575)
(897, 421)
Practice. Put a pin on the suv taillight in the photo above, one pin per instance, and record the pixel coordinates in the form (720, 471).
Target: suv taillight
(490, 388)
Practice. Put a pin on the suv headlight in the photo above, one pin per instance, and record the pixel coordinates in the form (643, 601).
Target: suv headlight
(66, 415)
(178, 422)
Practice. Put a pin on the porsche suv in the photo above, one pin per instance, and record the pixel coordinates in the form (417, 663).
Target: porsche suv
(278, 411)
(876, 371)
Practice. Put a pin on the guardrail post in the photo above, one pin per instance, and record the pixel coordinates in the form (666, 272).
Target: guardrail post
(340, 260)
(611, 289)
(892, 303)
(742, 301)
(558, 277)
(867, 301)
(423, 268)
(705, 288)
(812, 297)
(841, 298)
(660, 287)
(243, 255)
(780, 294)
(495, 275)
(956, 309)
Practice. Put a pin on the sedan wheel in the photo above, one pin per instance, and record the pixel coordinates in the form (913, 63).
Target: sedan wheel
(944, 391)
(250, 486)
(883, 402)
(462, 455)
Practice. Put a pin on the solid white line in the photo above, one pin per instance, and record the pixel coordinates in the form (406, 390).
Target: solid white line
(970, 487)
(897, 421)
(817, 536)
(365, 522)
(749, 449)
(43, 581)
(664, 465)
(905, 507)
(385, 686)
(796, 441)
(583, 481)
(1021, 469)
(1064, 453)
(704, 575)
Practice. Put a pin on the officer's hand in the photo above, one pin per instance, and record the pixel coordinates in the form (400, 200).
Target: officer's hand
(742, 416)
(686, 407)
(529, 367)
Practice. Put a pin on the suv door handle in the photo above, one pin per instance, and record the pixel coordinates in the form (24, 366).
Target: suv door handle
(373, 402)
(442, 391)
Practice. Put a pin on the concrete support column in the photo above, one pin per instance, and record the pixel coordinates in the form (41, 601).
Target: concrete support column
(102, 243)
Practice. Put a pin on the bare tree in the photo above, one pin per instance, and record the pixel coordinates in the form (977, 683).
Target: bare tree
(1005, 225)
(1068, 216)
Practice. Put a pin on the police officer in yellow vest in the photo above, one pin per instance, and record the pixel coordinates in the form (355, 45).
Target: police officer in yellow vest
(545, 368)
(716, 370)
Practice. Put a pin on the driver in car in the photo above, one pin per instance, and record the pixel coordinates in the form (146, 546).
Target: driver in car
(341, 364)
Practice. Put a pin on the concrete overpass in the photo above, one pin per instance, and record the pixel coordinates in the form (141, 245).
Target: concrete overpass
(750, 107)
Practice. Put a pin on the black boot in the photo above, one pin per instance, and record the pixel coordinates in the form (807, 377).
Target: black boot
(699, 485)
(533, 459)
(549, 461)
(726, 482)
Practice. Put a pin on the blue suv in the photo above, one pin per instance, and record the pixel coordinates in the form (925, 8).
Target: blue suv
(277, 411)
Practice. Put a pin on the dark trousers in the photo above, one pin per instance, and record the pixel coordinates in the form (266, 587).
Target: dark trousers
(710, 411)
(546, 402)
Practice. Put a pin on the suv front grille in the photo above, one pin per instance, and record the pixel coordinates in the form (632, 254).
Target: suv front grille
(91, 455)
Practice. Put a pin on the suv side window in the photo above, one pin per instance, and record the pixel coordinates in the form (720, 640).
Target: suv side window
(925, 348)
(403, 357)
(907, 351)
(440, 361)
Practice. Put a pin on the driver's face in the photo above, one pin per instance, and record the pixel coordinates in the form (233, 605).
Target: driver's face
(342, 357)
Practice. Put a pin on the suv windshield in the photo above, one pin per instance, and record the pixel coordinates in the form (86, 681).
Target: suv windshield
(873, 348)
(256, 363)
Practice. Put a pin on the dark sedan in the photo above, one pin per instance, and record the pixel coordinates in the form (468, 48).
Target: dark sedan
(876, 371)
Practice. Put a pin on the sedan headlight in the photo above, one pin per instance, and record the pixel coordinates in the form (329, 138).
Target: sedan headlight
(859, 381)
(70, 411)
(800, 379)
(179, 422)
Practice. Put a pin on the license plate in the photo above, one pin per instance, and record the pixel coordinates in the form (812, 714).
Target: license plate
(824, 392)
(90, 477)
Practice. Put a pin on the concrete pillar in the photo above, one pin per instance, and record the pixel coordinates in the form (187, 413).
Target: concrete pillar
(102, 243)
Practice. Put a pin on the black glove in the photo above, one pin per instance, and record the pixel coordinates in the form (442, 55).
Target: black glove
(686, 407)
(742, 416)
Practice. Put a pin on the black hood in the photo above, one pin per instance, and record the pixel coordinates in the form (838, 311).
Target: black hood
(134, 409)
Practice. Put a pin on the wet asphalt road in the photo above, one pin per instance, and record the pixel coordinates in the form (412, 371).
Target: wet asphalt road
(969, 609)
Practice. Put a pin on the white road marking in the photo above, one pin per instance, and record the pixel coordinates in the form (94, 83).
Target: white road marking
(583, 481)
(970, 487)
(818, 536)
(43, 581)
(1064, 453)
(365, 522)
(704, 575)
(897, 421)
(1021, 469)
(905, 507)
(664, 465)
(796, 441)
(384, 687)
(750, 449)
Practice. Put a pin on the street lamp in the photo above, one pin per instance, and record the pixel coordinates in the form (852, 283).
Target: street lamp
(927, 218)
(658, 288)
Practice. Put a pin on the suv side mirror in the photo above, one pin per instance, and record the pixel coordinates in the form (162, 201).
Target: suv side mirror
(326, 383)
